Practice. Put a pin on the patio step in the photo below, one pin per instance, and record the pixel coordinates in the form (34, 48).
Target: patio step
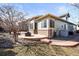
(60, 42)
(35, 39)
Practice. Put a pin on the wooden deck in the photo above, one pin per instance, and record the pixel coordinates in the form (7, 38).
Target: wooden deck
(33, 36)
(44, 39)
(60, 42)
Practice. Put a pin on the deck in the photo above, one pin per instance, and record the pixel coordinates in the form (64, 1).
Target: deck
(44, 39)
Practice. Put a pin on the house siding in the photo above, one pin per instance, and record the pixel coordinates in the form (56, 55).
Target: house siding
(43, 32)
(31, 30)
(40, 25)
(49, 32)
(59, 28)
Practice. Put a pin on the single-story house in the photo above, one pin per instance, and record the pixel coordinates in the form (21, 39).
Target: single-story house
(50, 25)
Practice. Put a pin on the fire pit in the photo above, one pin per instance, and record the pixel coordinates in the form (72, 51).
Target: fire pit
(28, 34)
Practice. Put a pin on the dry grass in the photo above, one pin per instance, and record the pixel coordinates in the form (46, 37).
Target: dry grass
(41, 50)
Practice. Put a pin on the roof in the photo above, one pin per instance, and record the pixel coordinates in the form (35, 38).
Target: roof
(35, 17)
(40, 17)
(65, 15)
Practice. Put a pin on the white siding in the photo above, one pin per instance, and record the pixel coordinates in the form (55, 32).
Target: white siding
(32, 22)
(71, 27)
(77, 27)
(59, 25)
(59, 28)
(39, 24)
(31, 30)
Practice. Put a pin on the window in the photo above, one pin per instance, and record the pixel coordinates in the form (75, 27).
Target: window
(51, 24)
(44, 24)
(31, 26)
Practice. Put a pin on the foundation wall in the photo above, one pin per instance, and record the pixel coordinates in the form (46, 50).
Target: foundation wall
(43, 32)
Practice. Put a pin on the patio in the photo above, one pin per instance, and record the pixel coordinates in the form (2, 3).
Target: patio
(44, 39)
(33, 36)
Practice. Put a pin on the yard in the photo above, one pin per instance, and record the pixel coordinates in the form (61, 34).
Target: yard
(13, 21)
(40, 50)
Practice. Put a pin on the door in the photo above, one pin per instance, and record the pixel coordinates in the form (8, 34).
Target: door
(51, 28)
(36, 28)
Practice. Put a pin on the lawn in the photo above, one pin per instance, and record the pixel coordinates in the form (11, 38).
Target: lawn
(40, 50)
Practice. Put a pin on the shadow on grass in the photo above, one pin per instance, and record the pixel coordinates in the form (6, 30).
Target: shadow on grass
(7, 53)
(59, 51)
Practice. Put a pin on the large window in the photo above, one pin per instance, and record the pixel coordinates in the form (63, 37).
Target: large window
(44, 24)
(51, 24)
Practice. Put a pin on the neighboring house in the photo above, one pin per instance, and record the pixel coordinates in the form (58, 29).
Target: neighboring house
(77, 27)
(50, 26)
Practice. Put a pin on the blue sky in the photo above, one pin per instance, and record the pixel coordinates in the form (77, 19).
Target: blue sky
(57, 9)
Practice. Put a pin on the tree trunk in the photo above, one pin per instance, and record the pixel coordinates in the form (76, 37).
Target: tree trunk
(15, 37)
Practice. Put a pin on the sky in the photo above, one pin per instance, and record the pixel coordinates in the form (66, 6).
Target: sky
(58, 9)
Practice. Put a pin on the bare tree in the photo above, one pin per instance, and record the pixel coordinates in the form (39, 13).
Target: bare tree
(10, 16)
(77, 6)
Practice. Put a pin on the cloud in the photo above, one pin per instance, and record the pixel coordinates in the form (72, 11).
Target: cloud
(62, 9)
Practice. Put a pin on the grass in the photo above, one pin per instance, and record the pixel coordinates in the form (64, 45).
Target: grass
(40, 50)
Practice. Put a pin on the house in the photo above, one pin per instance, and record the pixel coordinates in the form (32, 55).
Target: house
(50, 25)
(77, 27)
(77, 31)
